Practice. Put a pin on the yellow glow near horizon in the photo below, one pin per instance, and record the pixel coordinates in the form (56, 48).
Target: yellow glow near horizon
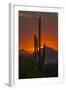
(32, 49)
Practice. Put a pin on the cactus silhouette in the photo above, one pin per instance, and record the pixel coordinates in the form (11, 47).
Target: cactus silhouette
(35, 46)
(43, 57)
(44, 49)
(39, 36)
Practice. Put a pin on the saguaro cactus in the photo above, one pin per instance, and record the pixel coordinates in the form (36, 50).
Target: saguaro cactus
(35, 46)
(39, 36)
(43, 56)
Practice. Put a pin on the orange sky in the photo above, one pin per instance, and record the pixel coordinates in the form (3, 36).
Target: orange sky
(28, 26)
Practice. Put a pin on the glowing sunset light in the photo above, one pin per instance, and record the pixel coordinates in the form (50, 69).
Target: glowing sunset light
(28, 27)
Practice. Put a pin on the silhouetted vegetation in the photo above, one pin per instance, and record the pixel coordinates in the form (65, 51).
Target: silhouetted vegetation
(28, 68)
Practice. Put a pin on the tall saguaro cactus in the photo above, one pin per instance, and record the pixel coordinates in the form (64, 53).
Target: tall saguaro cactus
(39, 43)
(35, 46)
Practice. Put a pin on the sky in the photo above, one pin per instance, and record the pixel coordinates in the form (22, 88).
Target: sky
(29, 26)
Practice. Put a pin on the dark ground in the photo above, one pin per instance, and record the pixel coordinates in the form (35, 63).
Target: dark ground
(28, 68)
